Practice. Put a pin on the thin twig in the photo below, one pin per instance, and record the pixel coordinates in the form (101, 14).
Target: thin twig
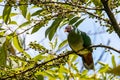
(104, 46)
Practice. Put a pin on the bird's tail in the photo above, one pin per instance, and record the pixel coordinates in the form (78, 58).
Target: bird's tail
(88, 61)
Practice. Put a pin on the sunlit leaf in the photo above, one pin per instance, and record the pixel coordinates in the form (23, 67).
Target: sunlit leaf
(37, 12)
(55, 43)
(1, 0)
(73, 20)
(18, 46)
(79, 22)
(84, 72)
(13, 22)
(3, 54)
(23, 8)
(62, 44)
(104, 68)
(39, 77)
(28, 16)
(73, 57)
(52, 29)
(38, 57)
(13, 14)
(113, 61)
(24, 24)
(37, 27)
(6, 13)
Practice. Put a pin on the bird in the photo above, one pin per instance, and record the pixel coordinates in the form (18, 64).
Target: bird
(79, 42)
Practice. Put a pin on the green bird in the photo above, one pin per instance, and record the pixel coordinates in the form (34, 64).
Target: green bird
(79, 42)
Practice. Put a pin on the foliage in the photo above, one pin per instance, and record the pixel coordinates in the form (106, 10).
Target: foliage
(15, 60)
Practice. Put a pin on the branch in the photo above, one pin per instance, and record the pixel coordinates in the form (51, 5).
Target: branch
(58, 57)
(98, 17)
(36, 66)
(111, 17)
(104, 46)
(53, 2)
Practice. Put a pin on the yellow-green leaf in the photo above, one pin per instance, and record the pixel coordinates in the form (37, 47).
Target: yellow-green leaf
(113, 61)
(3, 54)
(23, 8)
(62, 44)
(24, 24)
(6, 13)
(18, 46)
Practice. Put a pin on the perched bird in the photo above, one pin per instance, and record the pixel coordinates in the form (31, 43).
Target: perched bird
(79, 42)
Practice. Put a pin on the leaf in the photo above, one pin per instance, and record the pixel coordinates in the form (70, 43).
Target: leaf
(79, 22)
(23, 8)
(6, 13)
(73, 57)
(28, 16)
(1, 0)
(73, 20)
(62, 44)
(24, 24)
(115, 70)
(52, 29)
(3, 54)
(85, 72)
(13, 22)
(39, 77)
(37, 12)
(13, 14)
(55, 43)
(37, 27)
(113, 61)
(38, 57)
(18, 46)
(104, 69)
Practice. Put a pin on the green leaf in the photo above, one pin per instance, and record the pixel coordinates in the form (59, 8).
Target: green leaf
(73, 57)
(13, 14)
(39, 77)
(3, 53)
(113, 61)
(79, 22)
(6, 13)
(104, 69)
(73, 20)
(1, 17)
(52, 29)
(24, 24)
(37, 12)
(28, 16)
(62, 44)
(38, 57)
(37, 27)
(13, 22)
(23, 8)
(85, 72)
(18, 46)
(1, 0)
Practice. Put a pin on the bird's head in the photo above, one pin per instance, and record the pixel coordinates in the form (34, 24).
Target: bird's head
(68, 28)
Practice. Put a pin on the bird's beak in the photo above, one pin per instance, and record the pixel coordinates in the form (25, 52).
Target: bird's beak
(65, 30)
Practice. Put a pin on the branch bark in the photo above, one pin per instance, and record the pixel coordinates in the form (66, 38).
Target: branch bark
(58, 57)
(111, 17)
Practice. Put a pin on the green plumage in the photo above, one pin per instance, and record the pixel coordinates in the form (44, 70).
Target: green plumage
(79, 40)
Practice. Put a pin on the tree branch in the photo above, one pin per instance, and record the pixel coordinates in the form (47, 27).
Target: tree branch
(58, 57)
(104, 46)
(111, 17)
